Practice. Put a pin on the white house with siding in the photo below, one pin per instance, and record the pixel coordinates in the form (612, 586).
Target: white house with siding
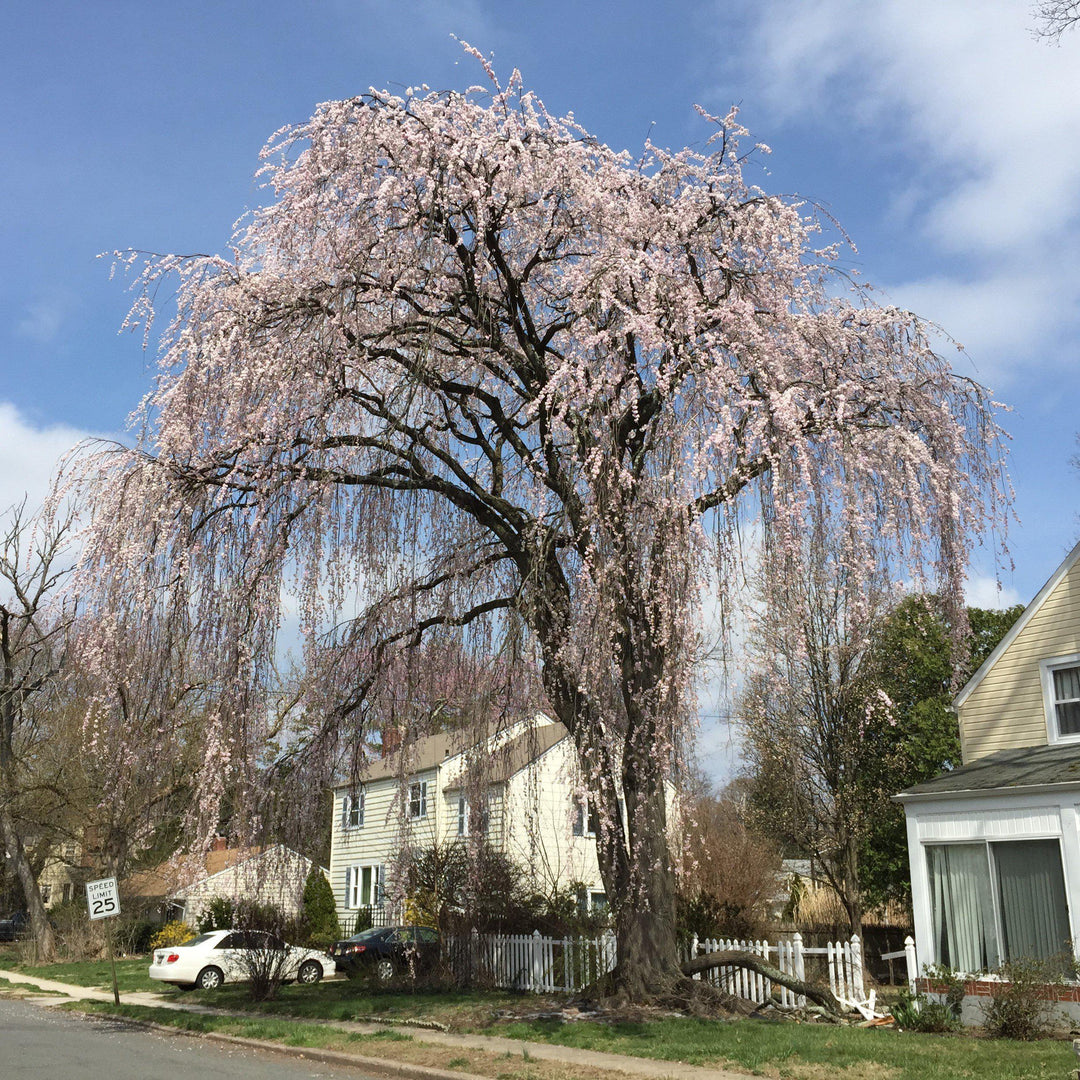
(532, 810)
(995, 843)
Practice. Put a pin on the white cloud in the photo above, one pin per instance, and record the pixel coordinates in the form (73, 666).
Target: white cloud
(985, 592)
(28, 456)
(983, 120)
(43, 320)
(996, 316)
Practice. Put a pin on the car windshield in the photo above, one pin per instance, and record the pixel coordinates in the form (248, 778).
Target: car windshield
(368, 935)
(200, 940)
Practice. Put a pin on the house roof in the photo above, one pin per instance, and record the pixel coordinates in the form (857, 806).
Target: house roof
(432, 750)
(1017, 627)
(1037, 767)
(518, 753)
(174, 874)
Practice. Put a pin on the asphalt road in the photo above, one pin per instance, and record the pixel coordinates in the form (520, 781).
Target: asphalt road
(39, 1042)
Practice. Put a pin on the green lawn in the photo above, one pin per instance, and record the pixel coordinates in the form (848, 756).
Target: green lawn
(785, 1050)
(131, 972)
(795, 1049)
(342, 999)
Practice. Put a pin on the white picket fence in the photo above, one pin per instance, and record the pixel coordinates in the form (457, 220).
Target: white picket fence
(540, 964)
(843, 962)
(532, 962)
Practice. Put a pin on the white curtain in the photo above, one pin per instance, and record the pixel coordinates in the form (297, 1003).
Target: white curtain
(1067, 698)
(1034, 915)
(962, 907)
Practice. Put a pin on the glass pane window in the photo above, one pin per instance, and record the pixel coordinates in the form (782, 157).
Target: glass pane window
(1067, 700)
(418, 799)
(586, 820)
(353, 810)
(467, 823)
(1034, 913)
(996, 902)
(962, 907)
(364, 886)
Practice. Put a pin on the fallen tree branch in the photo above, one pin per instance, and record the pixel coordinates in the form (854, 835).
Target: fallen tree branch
(753, 962)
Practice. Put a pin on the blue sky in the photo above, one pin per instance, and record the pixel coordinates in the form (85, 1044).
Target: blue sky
(943, 137)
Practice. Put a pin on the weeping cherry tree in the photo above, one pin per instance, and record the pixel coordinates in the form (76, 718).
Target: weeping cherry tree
(471, 375)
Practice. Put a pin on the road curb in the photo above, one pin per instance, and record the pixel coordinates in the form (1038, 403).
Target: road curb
(628, 1065)
(310, 1053)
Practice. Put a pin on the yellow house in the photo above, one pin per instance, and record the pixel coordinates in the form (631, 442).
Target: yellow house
(995, 843)
(533, 812)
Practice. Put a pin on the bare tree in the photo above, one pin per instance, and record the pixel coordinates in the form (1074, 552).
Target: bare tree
(33, 622)
(1054, 17)
(808, 715)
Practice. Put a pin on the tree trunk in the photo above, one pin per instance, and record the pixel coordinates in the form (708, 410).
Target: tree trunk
(44, 940)
(648, 961)
(851, 894)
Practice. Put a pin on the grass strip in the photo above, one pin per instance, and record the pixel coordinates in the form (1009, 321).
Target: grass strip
(131, 974)
(392, 1045)
(792, 1051)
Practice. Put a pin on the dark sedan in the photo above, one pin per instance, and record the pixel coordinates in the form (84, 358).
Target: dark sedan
(14, 926)
(386, 951)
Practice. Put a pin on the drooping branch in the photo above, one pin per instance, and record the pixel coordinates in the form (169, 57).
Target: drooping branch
(465, 328)
(753, 962)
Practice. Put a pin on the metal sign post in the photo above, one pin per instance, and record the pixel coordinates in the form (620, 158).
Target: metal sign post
(103, 902)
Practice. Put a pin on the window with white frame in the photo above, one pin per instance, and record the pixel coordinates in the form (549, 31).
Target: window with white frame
(363, 886)
(1061, 693)
(467, 824)
(418, 799)
(352, 809)
(996, 901)
(586, 820)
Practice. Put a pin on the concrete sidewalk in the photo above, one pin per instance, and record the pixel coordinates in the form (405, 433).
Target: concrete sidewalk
(492, 1044)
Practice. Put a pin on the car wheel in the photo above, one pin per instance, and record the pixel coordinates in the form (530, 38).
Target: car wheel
(384, 969)
(310, 971)
(210, 978)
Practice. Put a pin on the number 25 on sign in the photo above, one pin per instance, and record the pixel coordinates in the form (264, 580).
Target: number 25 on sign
(102, 898)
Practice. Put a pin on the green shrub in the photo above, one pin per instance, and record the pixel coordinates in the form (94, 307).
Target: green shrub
(937, 1014)
(1018, 1007)
(917, 1012)
(172, 933)
(219, 914)
(318, 918)
(133, 936)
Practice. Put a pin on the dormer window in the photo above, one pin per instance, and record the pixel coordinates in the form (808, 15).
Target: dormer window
(1061, 694)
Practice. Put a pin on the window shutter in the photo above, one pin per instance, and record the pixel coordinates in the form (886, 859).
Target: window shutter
(378, 890)
(348, 882)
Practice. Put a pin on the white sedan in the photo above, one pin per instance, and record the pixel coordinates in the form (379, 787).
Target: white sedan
(223, 956)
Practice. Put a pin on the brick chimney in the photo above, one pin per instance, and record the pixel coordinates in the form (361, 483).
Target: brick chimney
(219, 844)
(391, 739)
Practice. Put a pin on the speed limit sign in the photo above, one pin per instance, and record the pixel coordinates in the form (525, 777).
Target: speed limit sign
(102, 898)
